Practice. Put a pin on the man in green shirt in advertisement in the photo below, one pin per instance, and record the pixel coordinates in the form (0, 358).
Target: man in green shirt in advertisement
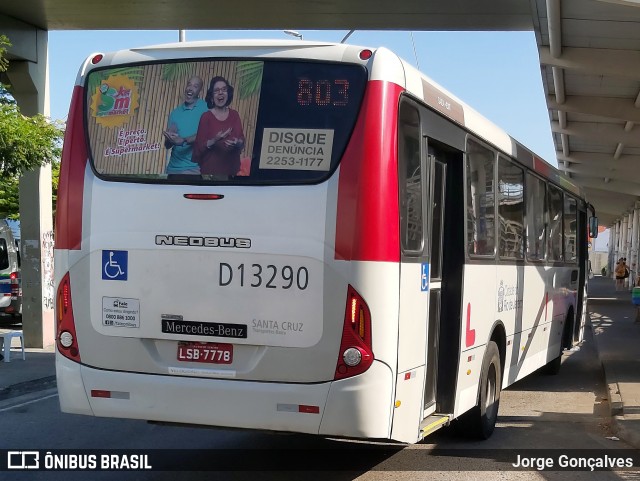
(181, 131)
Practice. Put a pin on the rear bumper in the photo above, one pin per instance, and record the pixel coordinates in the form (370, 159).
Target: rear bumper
(355, 407)
(10, 306)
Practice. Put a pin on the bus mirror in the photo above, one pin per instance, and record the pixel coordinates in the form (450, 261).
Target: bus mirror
(593, 227)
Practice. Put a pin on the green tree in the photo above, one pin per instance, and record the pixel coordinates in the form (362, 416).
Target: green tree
(26, 143)
(10, 193)
(9, 198)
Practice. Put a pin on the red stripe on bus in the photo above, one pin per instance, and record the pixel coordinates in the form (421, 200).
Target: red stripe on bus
(470, 334)
(368, 225)
(71, 186)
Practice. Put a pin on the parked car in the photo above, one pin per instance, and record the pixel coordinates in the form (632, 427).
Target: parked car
(10, 286)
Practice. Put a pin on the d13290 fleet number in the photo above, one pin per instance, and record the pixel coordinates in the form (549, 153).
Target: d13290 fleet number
(268, 277)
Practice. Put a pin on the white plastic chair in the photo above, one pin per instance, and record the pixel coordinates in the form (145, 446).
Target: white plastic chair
(6, 342)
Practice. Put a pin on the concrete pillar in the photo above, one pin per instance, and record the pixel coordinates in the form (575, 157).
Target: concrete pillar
(616, 252)
(611, 248)
(627, 246)
(630, 230)
(28, 75)
(635, 242)
(624, 235)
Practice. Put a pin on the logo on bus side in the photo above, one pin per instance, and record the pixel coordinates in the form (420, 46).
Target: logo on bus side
(198, 241)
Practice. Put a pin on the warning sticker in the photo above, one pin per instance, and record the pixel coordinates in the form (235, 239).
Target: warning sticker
(120, 312)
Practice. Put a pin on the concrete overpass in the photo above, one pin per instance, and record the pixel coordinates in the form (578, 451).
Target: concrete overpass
(589, 53)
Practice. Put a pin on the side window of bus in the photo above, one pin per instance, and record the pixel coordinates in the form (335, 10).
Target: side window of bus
(480, 200)
(510, 209)
(570, 229)
(4, 254)
(411, 184)
(536, 219)
(555, 223)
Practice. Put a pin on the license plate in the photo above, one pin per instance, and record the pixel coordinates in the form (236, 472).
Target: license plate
(209, 352)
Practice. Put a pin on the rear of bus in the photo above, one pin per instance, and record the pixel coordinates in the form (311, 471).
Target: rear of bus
(266, 299)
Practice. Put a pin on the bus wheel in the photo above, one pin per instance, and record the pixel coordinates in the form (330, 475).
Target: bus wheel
(553, 367)
(480, 422)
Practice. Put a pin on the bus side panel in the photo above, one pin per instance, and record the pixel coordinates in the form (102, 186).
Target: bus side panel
(520, 306)
(408, 410)
(412, 351)
(533, 322)
(68, 229)
(478, 316)
(367, 226)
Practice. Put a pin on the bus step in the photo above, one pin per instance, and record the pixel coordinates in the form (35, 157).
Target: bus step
(434, 422)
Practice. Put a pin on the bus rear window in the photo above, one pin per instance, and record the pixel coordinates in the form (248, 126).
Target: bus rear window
(218, 121)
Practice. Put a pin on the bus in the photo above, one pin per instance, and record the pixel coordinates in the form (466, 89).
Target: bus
(336, 245)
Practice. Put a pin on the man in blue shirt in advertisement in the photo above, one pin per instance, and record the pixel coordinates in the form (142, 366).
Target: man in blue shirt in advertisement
(182, 128)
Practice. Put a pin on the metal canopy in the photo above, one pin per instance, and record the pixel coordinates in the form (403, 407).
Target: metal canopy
(589, 55)
(590, 59)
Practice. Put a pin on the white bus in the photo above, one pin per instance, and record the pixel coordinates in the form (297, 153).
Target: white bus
(335, 245)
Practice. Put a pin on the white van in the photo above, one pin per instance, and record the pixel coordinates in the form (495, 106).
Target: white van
(10, 289)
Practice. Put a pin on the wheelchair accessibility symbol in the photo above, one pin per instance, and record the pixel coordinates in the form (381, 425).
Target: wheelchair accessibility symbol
(424, 278)
(115, 265)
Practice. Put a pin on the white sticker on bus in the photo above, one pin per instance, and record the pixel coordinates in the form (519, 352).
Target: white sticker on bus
(120, 312)
(296, 149)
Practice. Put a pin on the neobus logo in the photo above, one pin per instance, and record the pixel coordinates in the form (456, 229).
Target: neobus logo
(197, 241)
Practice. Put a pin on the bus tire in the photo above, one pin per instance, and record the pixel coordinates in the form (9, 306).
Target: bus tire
(480, 422)
(553, 367)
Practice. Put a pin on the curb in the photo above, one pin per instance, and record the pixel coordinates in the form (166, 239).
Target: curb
(616, 404)
(615, 399)
(630, 436)
(27, 387)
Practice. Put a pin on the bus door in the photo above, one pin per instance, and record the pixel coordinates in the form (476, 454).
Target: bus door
(431, 213)
(435, 213)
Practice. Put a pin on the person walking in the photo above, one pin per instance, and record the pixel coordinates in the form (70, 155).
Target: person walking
(620, 272)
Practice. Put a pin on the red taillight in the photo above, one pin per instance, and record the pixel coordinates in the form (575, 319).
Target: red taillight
(97, 58)
(355, 355)
(66, 338)
(15, 285)
(365, 54)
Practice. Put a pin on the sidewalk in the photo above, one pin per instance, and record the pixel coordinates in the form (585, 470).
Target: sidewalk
(37, 372)
(617, 339)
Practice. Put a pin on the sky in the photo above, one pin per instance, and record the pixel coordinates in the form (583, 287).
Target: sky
(496, 73)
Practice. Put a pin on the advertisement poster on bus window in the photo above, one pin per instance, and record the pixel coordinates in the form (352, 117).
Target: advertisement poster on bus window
(151, 121)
